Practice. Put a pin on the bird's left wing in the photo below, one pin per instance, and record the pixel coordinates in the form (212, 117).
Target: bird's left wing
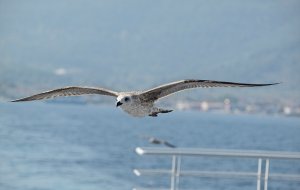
(170, 88)
(68, 91)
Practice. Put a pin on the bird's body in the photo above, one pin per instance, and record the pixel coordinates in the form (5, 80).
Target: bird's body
(139, 103)
(136, 107)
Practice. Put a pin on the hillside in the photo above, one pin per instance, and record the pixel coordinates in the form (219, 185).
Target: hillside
(141, 44)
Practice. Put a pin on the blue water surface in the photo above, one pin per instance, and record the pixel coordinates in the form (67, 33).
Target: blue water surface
(47, 146)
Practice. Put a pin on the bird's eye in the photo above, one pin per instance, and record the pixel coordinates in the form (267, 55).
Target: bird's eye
(126, 99)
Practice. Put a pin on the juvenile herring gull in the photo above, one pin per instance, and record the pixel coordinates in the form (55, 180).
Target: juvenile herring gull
(139, 103)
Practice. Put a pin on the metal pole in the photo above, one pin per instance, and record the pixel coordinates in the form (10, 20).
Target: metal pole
(267, 167)
(259, 174)
(178, 172)
(173, 173)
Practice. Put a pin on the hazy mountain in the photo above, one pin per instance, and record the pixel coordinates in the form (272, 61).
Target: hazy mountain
(140, 44)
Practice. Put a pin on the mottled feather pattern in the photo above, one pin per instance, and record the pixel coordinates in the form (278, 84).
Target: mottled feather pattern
(168, 89)
(68, 91)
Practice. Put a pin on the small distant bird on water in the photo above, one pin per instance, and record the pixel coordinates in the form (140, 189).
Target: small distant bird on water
(154, 140)
(139, 103)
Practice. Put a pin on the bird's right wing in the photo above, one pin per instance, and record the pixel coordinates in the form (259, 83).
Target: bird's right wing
(68, 91)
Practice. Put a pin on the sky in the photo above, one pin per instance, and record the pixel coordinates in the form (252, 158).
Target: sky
(140, 44)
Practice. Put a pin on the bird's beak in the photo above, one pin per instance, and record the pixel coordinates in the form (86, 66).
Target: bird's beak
(118, 104)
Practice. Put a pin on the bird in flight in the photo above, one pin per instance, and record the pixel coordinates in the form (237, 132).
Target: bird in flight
(139, 103)
(154, 140)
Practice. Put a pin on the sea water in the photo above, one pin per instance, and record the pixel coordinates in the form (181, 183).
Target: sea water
(47, 146)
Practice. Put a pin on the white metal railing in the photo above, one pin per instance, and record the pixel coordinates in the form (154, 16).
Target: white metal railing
(175, 172)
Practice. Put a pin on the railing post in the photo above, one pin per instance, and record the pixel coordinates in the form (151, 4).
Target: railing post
(173, 172)
(178, 172)
(259, 173)
(267, 167)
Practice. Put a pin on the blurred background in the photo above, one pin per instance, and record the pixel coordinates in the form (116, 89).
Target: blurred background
(140, 44)
(77, 143)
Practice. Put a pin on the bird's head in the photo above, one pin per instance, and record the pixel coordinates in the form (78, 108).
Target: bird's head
(123, 100)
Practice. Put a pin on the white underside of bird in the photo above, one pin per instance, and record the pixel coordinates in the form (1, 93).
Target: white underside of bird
(133, 105)
(139, 103)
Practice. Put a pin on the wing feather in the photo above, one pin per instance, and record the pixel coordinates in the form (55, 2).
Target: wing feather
(68, 91)
(170, 88)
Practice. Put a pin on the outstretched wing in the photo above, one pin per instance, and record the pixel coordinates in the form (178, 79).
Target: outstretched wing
(167, 89)
(68, 91)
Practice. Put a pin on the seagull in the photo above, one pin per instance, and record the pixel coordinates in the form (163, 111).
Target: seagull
(139, 103)
(154, 140)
